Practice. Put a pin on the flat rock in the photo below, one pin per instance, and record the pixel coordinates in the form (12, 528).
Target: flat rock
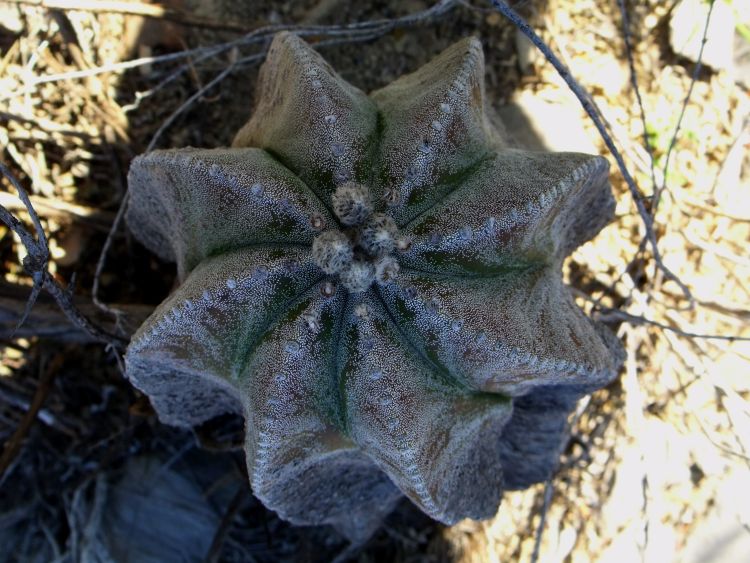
(686, 32)
(529, 116)
(723, 535)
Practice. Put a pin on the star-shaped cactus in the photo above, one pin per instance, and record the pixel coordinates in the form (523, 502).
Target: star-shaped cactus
(374, 283)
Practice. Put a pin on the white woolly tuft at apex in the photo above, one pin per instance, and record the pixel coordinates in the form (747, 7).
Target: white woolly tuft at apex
(361, 254)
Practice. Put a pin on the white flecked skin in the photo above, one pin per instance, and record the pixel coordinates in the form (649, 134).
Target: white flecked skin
(450, 376)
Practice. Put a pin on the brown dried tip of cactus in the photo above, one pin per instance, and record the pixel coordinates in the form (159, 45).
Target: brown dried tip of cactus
(374, 283)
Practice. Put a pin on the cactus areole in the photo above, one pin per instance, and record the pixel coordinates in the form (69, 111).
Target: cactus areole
(374, 284)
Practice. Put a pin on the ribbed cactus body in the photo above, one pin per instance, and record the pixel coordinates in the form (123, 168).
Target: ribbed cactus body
(374, 283)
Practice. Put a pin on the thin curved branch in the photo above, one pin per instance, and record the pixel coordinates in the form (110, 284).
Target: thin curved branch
(593, 112)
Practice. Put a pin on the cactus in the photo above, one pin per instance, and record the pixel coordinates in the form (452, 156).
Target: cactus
(374, 283)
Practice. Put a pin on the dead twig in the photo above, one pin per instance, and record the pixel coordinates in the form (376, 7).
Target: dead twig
(699, 242)
(96, 218)
(13, 445)
(133, 8)
(606, 314)
(35, 264)
(370, 28)
(214, 552)
(673, 140)
(688, 200)
(36, 260)
(47, 320)
(46, 125)
(593, 112)
(636, 89)
(548, 490)
(10, 396)
(190, 101)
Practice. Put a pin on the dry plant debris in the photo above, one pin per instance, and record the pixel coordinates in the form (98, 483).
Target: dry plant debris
(662, 448)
